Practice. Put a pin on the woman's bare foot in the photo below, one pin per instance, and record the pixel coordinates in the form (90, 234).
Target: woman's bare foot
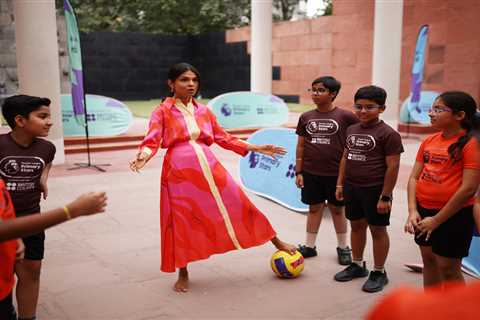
(182, 283)
(283, 246)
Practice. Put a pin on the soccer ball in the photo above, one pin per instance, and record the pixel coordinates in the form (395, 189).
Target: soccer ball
(285, 265)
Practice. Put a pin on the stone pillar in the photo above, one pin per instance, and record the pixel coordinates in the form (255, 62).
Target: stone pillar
(387, 52)
(37, 60)
(261, 47)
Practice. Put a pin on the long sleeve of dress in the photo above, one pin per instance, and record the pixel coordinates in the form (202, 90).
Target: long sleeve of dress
(153, 139)
(225, 140)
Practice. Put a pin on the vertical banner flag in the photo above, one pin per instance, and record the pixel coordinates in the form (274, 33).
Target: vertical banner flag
(75, 61)
(417, 76)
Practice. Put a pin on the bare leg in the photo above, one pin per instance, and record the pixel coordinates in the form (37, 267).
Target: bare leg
(283, 246)
(28, 286)
(340, 224)
(431, 272)
(182, 283)
(358, 238)
(450, 269)
(314, 217)
(381, 245)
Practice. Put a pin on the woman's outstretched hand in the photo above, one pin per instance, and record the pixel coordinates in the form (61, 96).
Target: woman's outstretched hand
(139, 162)
(268, 149)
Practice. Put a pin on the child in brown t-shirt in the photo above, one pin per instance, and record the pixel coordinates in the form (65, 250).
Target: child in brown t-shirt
(368, 173)
(321, 139)
(25, 161)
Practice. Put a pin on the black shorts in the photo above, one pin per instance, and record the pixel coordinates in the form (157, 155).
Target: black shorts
(7, 310)
(361, 203)
(34, 246)
(453, 237)
(318, 189)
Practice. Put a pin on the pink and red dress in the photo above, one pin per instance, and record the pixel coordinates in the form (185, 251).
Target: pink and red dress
(203, 211)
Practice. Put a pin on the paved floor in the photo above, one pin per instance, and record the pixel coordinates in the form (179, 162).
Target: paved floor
(107, 266)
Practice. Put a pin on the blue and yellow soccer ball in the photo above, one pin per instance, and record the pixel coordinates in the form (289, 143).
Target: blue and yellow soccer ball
(285, 265)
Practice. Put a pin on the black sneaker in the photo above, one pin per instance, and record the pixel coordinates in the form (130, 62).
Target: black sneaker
(376, 281)
(307, 252)
(351, 272)
(344, 256)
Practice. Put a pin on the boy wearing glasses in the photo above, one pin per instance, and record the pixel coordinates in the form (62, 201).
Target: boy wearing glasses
(366, 178)
(321, 139)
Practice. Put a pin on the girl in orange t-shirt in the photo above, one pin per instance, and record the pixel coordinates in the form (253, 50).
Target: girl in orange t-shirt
(441, 189)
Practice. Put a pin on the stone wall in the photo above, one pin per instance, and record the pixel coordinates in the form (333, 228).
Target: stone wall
(8, 61)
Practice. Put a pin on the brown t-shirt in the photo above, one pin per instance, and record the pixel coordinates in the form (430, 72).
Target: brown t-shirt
(21, 169)
(325, 134)
(367, 147)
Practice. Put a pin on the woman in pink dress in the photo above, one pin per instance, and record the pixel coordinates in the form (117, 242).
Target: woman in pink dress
(202, 209)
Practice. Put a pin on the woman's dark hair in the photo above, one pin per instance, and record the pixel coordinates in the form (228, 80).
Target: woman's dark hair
(329, 82)
(178, 69)
(460, 101)
(374, 93)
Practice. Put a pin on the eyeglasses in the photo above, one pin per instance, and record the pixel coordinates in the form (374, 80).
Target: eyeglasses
(368, 107)
(317, 91)
(439, 109)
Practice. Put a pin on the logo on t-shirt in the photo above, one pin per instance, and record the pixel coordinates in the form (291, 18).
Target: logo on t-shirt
(361, 142)
(20, 172)
(322, 127)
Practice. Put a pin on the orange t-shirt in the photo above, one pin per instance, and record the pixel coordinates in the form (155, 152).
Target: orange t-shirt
(7, 248)
(441, 177)
(451, 302)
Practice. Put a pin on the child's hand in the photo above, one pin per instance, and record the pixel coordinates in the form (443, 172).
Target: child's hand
(88, 204)
(339, 193)
(412, 222)
(44, 188)
(20, 253)
(384, 206)
(299, 180)
(139, 162)
(427, 226)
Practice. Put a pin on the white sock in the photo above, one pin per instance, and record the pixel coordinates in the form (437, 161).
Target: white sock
(311, 239)
(358, 262)
(342, 240)
(381, 269)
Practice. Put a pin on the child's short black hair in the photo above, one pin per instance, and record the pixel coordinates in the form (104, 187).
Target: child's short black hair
(329, 82)
(374, 93)
(21, 105)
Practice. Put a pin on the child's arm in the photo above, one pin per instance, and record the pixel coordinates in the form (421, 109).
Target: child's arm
(299, 161)
(413, 215)
(43, 180)
(86, 204)
(391, 175)
(341, 177)
(467, 190)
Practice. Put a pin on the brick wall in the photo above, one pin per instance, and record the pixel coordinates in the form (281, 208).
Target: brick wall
(338, 45)
(453, 51)
(342, 45)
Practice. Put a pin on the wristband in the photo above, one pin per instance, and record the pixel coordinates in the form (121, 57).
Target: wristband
(297, 173)
(67, 212)
(339, 186)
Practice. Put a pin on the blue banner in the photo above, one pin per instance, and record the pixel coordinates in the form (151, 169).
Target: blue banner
(471, 264)
(424, 104)
(415, 112)
(273, 178)
(249, 109)
(106, 117)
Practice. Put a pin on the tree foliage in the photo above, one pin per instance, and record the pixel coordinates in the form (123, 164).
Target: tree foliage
(171, 16)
